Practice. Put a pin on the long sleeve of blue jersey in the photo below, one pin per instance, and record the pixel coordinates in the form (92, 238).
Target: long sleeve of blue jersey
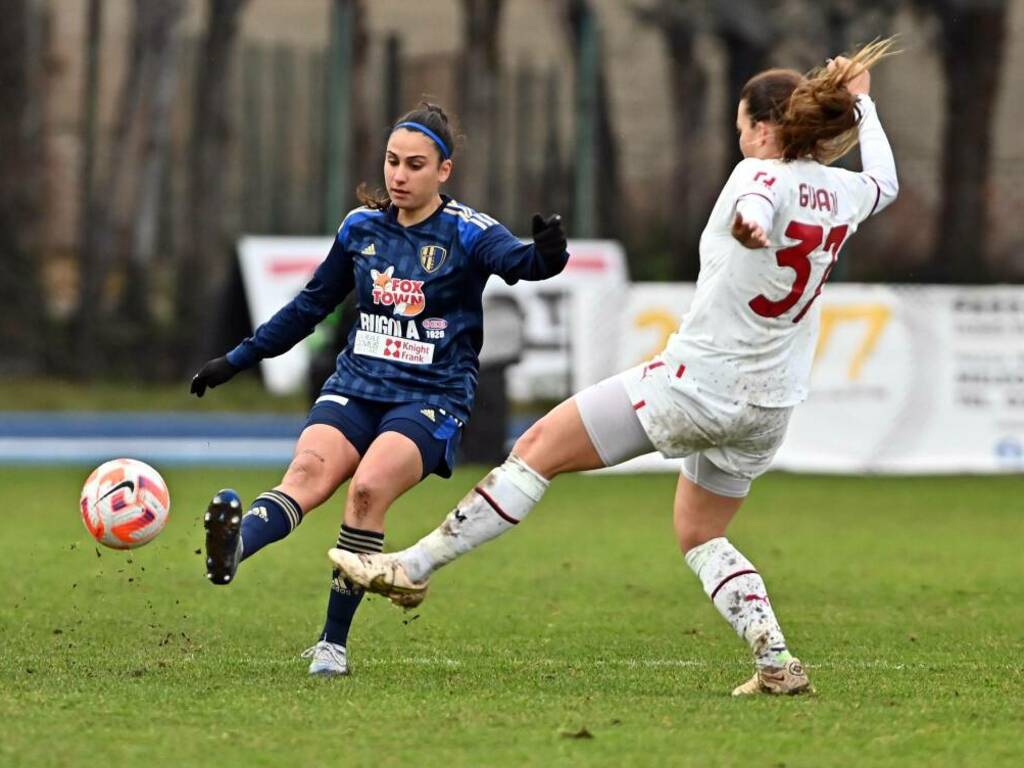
(331, 283)
(499, 252)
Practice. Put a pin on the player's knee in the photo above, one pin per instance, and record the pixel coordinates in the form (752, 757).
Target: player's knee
(531, 443)
(305, 472)
(368, 497)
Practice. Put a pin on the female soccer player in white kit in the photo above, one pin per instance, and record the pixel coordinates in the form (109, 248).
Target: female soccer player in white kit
(722, 391)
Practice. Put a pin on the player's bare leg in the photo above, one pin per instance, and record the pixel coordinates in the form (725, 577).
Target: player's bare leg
(323, 460)
(555, 444)
(392, 465)
(701, 518)
(558, 443)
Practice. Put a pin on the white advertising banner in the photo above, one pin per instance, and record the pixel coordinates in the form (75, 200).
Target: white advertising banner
(274, 269)
(906, 379)
(548, 368)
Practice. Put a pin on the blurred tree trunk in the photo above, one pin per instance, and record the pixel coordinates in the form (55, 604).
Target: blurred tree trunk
(850, 23)
(479, 80)
(680, 23)
(973, 34)
(22, 317)
(747, 31)
(104, 244)
(367, 137)
(205, 263)
(611, 203)
(89, 212)
(155, 25)
(555, 192)
(128, 198)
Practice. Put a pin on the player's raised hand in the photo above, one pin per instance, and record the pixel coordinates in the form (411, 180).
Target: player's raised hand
(213, 373)
(858, 78)
(549, 238)
(749, 234)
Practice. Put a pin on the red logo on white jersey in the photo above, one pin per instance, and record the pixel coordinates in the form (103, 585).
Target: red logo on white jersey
(406, 296)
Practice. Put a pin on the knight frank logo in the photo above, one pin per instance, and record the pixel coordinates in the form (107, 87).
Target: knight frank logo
(432, 257)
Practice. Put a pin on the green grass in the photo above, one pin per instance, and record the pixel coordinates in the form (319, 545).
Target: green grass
(905, 597)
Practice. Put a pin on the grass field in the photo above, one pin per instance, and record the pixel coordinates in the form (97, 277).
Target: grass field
(579, 639)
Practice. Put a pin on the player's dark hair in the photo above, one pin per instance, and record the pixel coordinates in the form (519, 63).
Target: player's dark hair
(377, 200)
(816, 113)
(767, 94)
(432, 117)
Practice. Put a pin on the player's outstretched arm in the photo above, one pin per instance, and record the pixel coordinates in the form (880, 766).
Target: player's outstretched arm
(331, 283)
(499, 252)
(875, 153)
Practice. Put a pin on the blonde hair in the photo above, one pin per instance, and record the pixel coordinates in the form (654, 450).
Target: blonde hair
(816, 113)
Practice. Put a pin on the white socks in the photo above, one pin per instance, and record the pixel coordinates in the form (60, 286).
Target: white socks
(495, 505)
(739, 594)
(510, 491)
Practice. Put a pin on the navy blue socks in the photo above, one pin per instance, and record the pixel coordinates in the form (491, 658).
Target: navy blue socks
(345, 597)
(271, 517)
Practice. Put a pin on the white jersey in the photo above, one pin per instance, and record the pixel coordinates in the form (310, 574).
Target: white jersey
(751, 331)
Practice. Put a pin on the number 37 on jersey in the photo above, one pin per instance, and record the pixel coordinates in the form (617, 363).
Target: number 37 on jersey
(810, 238)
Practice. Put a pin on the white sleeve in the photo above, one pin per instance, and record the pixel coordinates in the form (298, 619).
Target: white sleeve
(753, 184)
(758, 209)
(876, 155)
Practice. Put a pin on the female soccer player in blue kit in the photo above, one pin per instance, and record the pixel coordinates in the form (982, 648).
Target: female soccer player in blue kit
(393, 411)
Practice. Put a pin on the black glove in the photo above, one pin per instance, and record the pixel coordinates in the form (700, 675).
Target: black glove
(212, 374)
(549, 238)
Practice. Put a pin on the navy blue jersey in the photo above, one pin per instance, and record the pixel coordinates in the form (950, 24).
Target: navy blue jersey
(418, 292)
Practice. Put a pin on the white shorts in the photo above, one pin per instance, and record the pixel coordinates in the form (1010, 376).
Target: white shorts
(727, 443)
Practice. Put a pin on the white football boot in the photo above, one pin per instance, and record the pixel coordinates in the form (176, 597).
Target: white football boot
(381, 574)
(777, 681)
(329, 659)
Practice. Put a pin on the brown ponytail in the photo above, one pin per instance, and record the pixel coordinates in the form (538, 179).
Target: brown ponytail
(377, 200)
(816, 114)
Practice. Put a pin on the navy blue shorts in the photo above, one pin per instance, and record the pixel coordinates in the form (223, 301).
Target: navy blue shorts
(435, 432)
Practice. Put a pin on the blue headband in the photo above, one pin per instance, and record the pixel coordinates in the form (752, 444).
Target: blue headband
(426, 131)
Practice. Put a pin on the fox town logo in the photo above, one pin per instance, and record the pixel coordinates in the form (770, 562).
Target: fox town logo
(432, 257)
(406, 296)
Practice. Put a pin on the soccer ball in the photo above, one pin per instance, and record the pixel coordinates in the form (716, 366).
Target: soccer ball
(125, 503)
